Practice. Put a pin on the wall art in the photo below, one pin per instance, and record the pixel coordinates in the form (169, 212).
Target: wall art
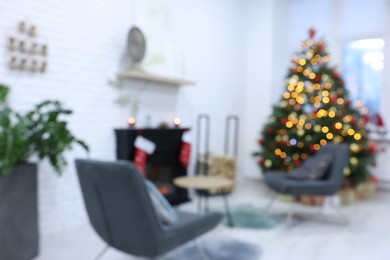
(26, 50)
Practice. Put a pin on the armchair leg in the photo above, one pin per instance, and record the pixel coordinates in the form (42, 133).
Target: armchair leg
(335, 216)
(104, 250)
(270, 203)
(201, 251)
(339, 218)
(290, 215)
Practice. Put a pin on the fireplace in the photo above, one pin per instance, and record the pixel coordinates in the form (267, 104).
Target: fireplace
(163, 165)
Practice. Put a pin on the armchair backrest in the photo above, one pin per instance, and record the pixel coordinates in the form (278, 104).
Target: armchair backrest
(119, 206)
(335, 173)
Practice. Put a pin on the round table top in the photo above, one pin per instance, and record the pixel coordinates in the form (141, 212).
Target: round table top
(202, 182)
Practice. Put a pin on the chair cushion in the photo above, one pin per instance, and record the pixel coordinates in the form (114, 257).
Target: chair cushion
(163, 209)
(313, 168)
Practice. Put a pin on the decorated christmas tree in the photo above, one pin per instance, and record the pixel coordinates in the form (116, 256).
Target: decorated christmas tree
(314, 110)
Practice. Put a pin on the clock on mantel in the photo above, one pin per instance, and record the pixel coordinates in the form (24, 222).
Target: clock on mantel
(136, 46)
(142, 75)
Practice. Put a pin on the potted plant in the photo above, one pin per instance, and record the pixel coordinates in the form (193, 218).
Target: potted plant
(43, 132)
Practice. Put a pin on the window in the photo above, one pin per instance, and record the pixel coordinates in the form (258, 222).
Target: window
(362, 70)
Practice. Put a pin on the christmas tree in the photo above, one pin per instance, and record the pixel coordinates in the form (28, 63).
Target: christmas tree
(314, 110)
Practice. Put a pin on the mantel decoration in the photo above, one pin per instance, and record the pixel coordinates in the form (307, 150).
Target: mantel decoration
(136, 47)
(26, 51)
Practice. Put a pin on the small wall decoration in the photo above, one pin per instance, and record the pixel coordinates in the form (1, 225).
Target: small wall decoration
(26, 51)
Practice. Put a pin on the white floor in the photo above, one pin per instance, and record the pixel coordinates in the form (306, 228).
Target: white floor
(366, 237)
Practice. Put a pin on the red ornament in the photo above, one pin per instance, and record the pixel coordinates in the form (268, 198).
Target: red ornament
(317, 79)
(363, 120)
(321, 47)
(347, 102)
(269, 131)
(336, 74)
(353, 121)
(297, 162)
(379, 120)
(373, 179)
(260, 141)
(312, 32)
(261, 160)
(341, 83)
(311, 148)
(333, 99)
(372, 148)
(283, 121)
(294, 70)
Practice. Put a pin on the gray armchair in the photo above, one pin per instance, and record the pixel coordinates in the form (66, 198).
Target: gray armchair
(326, 186)
(121, 212)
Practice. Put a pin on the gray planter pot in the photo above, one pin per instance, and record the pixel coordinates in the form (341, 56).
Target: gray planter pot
(19, 213)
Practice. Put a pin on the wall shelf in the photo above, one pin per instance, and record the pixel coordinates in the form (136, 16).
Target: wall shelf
(141, 75)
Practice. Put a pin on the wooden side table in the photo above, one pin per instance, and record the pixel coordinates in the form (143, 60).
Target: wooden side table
(205, 184)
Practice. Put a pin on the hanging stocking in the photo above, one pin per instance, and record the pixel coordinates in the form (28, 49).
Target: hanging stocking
(185, 150)
(143, 148)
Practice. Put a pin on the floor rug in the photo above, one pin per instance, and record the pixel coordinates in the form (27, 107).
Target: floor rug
(216, 247)
(248, 216)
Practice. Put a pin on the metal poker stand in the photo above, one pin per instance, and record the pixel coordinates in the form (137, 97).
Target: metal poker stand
(202, 164)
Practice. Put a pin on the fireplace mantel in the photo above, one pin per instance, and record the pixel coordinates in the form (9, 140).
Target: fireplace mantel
(146, 76)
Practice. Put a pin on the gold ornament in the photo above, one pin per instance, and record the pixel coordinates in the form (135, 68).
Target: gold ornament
(347, 171)
(325, 100)
(354, 161)
(283, 103)
(340, 101)
(268, 163)
(354, 148)
(329, 136)
(351, 131)
(357, 136)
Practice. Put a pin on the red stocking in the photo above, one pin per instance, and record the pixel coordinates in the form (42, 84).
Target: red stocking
(143, 148)
(185, 151)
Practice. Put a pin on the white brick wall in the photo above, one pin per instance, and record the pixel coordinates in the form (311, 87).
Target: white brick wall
(86, 48)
